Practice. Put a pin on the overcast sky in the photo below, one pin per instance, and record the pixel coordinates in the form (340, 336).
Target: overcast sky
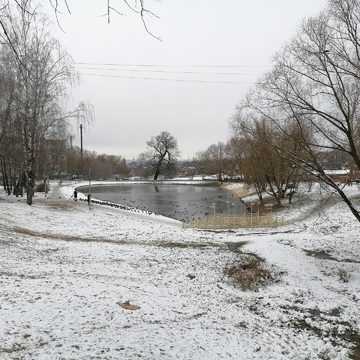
(210, 55)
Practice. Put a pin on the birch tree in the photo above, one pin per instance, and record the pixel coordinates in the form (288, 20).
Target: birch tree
(42, 70)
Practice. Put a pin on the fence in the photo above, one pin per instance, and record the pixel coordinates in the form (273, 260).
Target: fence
(235, 221)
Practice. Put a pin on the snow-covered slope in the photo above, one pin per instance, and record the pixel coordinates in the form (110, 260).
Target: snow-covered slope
(65, 270)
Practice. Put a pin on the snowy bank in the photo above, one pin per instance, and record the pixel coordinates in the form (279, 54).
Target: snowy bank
(65, 270)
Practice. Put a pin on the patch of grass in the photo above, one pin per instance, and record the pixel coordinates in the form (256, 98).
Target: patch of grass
(12, 348)
(250, 273)
(344, 276)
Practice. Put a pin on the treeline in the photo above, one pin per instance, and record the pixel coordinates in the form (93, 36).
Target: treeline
(56, 160)
(35, 74)
(95, 166)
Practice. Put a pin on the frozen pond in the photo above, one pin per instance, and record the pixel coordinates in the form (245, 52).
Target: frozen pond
(181, 202)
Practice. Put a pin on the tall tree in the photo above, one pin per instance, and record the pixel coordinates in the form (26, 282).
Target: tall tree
(41, 70)
(315, 83)
(162, 152)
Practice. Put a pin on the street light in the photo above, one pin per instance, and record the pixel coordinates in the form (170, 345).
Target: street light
(81, 149)
(89, 194)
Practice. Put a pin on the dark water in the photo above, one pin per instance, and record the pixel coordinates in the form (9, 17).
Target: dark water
(180, 202)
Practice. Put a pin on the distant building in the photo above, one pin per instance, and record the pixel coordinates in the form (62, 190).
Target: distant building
(340, 175)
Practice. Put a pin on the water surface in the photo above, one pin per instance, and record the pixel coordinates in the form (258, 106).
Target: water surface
(180, 202)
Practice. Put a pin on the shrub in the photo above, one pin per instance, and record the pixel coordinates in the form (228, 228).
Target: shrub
(250, 273)
(344, 276)
(40, 187)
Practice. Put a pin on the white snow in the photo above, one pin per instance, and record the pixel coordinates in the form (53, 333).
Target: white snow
(64, 269)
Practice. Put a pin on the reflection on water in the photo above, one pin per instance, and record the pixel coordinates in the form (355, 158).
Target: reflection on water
(181, 202)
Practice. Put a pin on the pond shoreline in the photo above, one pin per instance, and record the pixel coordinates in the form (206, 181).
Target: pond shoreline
(179, 200)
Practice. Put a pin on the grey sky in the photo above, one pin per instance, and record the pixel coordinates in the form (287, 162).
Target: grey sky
(194, 33)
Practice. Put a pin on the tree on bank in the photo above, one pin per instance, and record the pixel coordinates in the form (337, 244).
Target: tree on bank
(162, 153)
(214, 160)
(263, 165)
(315, 84)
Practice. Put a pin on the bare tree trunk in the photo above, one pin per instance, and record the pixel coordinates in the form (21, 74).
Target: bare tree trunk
(158, 167)
(291, 194)
(30, 182)
(157, 172)
(5, 178)
(277, 195)
(348, 203)
(259, 190)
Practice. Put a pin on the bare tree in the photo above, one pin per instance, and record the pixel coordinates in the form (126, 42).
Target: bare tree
(217, 156)
(60, 6)
(315, 83)
(262, 162)
(214, 160)
(162, 152)
(42, 70)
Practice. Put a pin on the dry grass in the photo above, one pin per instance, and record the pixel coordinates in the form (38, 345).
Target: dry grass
(60, 205)
(344, 276)
(250, 273)
(236, 221)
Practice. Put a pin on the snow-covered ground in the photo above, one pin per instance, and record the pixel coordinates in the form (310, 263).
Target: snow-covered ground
(65, 270)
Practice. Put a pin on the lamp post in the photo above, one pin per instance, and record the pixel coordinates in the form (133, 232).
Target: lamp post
(233, 213)
(81, 148)
(232, 205)
(81, 140)
(251, 213)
